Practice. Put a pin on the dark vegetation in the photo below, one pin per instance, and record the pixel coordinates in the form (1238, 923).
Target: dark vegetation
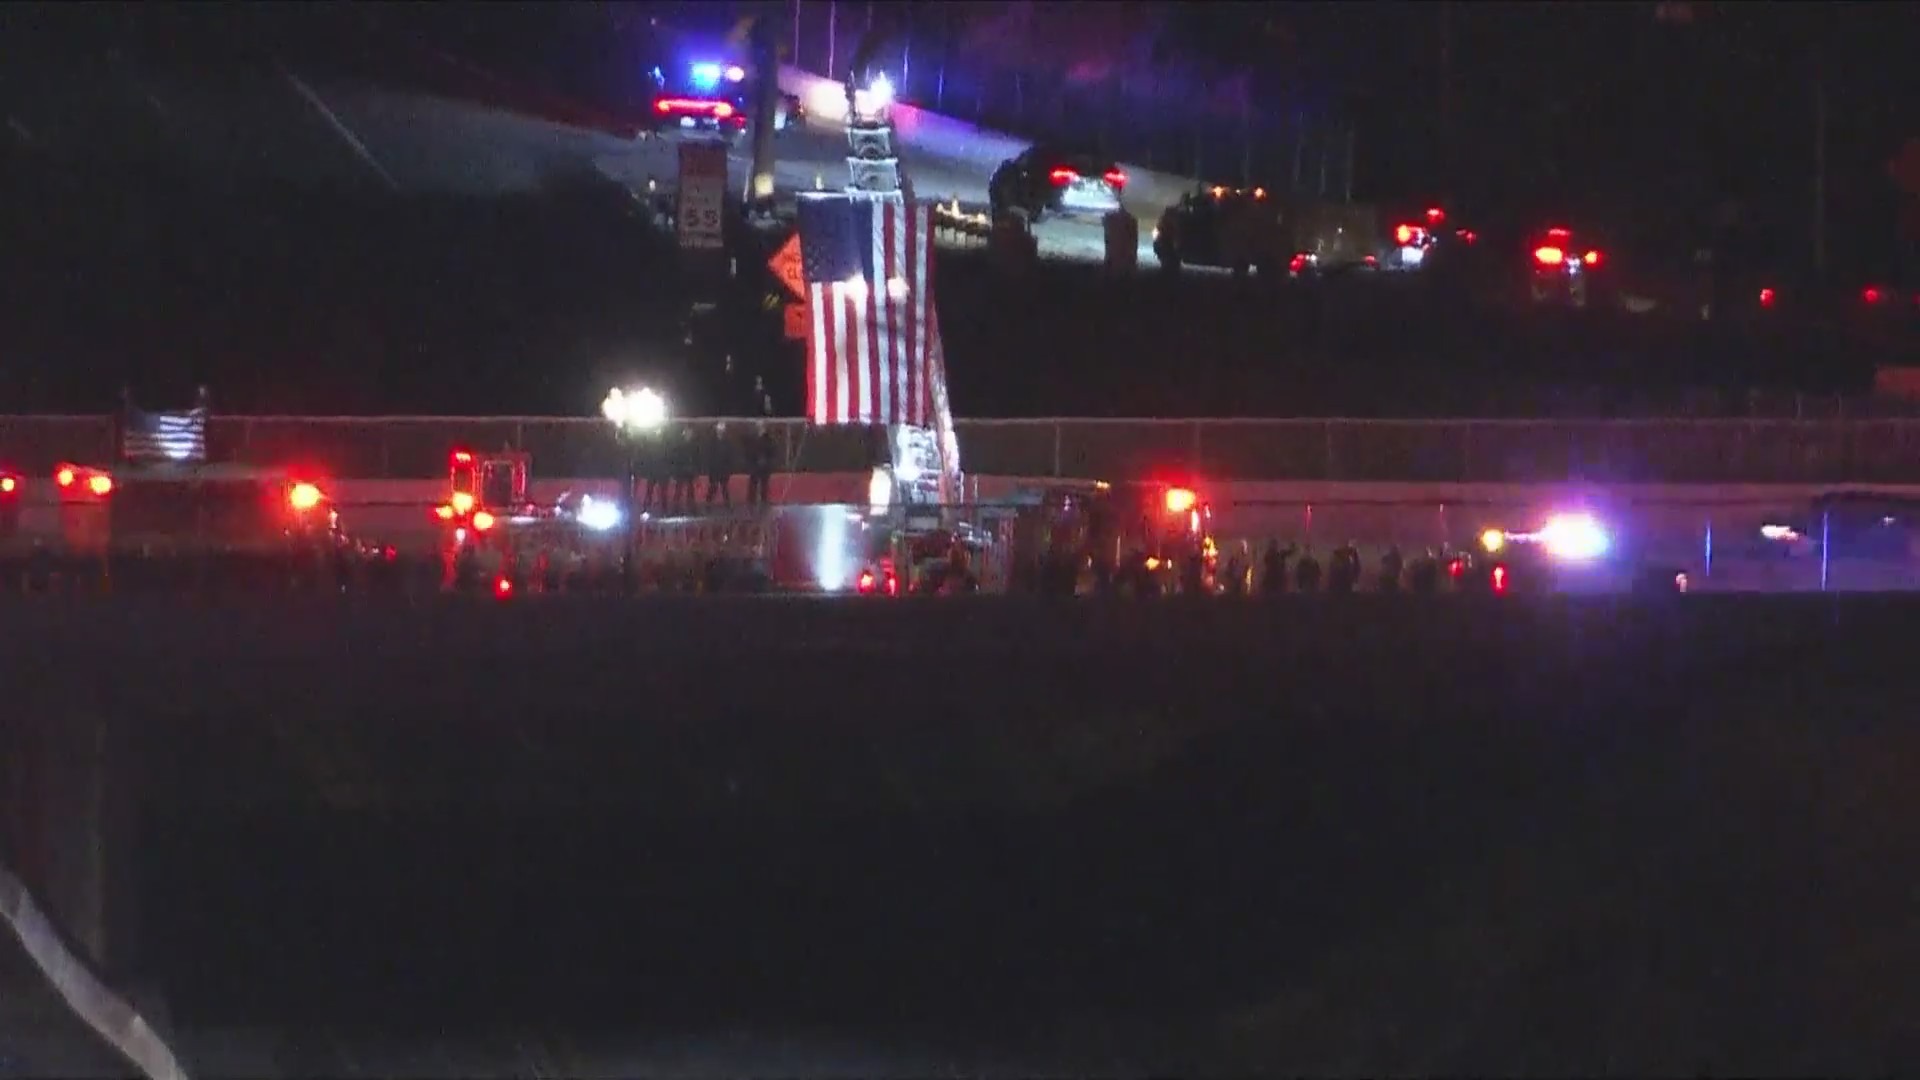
(1562, 837)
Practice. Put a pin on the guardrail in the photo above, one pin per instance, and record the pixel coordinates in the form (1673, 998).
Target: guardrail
(1490, 451)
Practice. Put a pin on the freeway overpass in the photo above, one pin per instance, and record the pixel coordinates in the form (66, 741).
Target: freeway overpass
(1720, 451)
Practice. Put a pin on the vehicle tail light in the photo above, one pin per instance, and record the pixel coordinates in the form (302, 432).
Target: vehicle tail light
(1180, 500)
(482, 521)
(1766, 297)
(1499, 579)
(1116, 178)
(303, 497)
(1466, 236)
(1456, 568)
(503, 586)
(1371, 260)
(100, 483)
(1063, 176)
(64, 476)
(1549, 255)
(1403, 234)
(9, 484)
(1591, 258)
(866, 582)
(1872, 294)
(893, 584)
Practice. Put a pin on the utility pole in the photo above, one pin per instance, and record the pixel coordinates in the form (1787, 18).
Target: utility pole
(1446, 98)
(833, 38)
(1819, 168)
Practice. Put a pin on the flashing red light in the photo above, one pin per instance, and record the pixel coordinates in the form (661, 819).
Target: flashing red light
(1403, 234)
(1499, 579)
(1872, 294)
(1456, 568)
(100, 483)
(482, 521)
(64, 476)
(503, 587)
(1435, 215)
(1297, 264)
(1371, 260)
(443, 512)
(8, 485)
(1116, 178)
(1466, 235)
(1558, 232)
(1766, 297)
(1063, 176)
(462, 457)
(1591, 258)
(1548, 255)
(693, 105)
(303, 496)
(1180, 500)
(893, 584)
(866, 581)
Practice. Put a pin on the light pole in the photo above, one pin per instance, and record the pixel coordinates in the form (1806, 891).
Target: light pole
(635, 414)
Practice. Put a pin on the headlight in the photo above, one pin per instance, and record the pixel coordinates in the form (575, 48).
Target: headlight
(1574, 536)
(598, 516)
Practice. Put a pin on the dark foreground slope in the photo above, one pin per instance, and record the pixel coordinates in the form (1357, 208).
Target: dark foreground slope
(760, 836)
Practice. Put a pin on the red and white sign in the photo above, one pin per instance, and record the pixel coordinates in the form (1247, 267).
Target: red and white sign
(703, 195)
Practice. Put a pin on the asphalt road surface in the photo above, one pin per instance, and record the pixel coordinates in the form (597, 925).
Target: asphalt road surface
(1001, 838)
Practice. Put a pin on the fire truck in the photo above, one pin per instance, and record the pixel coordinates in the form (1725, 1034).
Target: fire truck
(497, 533)
(192, 509)
(1141, 538)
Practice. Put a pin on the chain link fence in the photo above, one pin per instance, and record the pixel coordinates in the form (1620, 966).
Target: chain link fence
(1493, 451)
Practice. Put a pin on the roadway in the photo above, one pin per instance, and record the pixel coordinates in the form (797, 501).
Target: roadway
(279, 124)
(1710, 531)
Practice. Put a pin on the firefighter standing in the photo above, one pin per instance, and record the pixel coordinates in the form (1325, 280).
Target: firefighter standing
(686, 466)
(1273, 570)
(719, 467)
(760, 458)
(1306, 572)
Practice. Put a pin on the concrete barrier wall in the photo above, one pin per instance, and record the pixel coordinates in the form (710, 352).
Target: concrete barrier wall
(1440, 451)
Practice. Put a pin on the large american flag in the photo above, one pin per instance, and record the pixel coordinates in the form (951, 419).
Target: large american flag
(866, 262)
(164, 436)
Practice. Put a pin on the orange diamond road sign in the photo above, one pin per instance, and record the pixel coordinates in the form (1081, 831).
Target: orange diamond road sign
(785, 265)
(798, 320)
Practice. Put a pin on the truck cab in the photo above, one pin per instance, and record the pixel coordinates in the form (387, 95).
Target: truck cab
(483, 488)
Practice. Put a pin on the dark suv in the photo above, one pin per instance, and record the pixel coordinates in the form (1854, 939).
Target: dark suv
(1046, 181)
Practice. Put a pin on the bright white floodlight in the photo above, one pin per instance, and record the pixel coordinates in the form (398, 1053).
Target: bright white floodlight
(635, 410)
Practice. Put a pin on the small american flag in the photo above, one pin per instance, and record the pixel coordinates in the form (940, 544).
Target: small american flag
(164, 436)
(866, 262)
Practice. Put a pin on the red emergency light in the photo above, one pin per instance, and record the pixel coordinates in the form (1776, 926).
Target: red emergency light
(720, 109)
(865, 585)
(1180, 500)
(1403, 234)
(1435, 215)
(9, 484)
(1872, 294)
(503, 587)
(462, 457)
(1549, 255)
(1591, 258)
(1499, 579)
(1767, 297)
